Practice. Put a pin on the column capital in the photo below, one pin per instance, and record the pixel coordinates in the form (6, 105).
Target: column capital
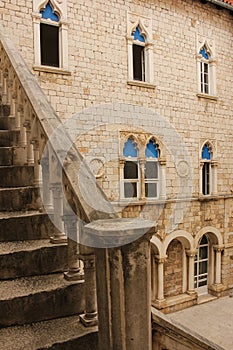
(219, 247)
(160, 260)
(191, 252)
(162, 161)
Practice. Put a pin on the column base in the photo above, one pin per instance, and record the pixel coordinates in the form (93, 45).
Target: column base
(89, 320)
(75, 275)
(191, 292)
(62, 238)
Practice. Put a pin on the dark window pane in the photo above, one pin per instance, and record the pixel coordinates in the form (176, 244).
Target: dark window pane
(195, 269)
(130, 189)
(49, 45)
(206, 178)
(202, 283)
(204, 240)
(151, 189)
(130, 170)
(203, 253)
(202, 267)
(151, 170)
(138, 63)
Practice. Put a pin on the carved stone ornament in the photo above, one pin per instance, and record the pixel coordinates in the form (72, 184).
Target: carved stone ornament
(182, 168)
(97, 166)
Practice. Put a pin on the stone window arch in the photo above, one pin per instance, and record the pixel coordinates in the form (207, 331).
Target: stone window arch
(50, 36)
(208, 170)
(206, 69)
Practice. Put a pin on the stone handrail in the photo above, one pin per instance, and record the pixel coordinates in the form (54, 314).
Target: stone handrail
(35, 119)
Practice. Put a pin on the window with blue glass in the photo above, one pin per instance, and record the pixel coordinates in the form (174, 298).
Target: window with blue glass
(138, 55)
(131, 171)
(206, 169)
(204, 70)
(206, 64)
(151, 170)
(49, 36)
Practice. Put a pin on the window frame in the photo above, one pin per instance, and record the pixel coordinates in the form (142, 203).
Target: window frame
(152, 180)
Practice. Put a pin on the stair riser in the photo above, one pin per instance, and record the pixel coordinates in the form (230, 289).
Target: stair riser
(4, 123)
(16, 176)
(87, 342)
(26, 228)
(20, 199)
(5, 138)
(43, 306)
(6, 156)
(37, 262)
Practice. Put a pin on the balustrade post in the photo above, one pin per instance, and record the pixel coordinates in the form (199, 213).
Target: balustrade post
(47, 194)
(36, 152)
(75, 269)
(57, 193)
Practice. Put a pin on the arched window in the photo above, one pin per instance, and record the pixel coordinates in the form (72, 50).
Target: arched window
(201, 266)
(206, 71)
(151, 170)
(140, 50)
(206, 169)
(50, 36)
(131, 170)
(138, 55)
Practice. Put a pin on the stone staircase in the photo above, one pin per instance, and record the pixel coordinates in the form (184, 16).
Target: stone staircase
(38, 307)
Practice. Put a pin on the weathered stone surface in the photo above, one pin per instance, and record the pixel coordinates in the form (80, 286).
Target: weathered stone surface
(4, 123)
(6, 156)
(28, 258)
(21, 198)
(4, 138)
(37, 298)
(59, 334)
(22, 226)
(16, 176)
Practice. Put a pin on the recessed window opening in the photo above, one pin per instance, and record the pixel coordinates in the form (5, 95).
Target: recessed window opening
(138, 55)
(206, 169)
(131, 171)
(151, 170)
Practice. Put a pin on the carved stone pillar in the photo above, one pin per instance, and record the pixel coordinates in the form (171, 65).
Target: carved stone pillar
(121, 165)
(142, 163)
(191, 255)
(47, 195)
(36, 152)
(123, 282)
(214, 166)
(162, 163)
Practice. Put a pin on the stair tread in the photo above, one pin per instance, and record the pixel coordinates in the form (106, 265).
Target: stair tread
(18, 246)
(24, 286)
(43, 334)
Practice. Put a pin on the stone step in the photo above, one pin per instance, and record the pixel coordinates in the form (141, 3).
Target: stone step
(19, 226)
(59, 334)
(4, 123)
(28, 258)
(16, 176)
(39, 298)
(19, 198)
(5, 139)
(6, 156)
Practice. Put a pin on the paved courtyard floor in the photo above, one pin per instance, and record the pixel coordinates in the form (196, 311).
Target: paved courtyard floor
(212, 320)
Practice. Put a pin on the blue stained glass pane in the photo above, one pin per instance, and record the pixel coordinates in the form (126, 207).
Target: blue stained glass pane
(137, 35)
(204, 53)
(130, 149)
(151, 150)
(48, 13)
(206, 152)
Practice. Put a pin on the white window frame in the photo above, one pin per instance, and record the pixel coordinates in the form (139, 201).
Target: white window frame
(61, 9)
(153, 180)
(212, 170)
(137, 181)
(145, 26)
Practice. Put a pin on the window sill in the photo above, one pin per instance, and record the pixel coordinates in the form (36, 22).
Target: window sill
(141, 84)
(125, 202)
(208, 97)
(208, 197)
(49, 69)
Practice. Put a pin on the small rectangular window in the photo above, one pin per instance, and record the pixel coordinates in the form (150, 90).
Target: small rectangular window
(49, 45)
(130, 170)
(151, 179)
(138, 62)
(206, 178)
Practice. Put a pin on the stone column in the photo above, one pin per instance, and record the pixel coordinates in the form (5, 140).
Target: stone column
(36, 152)
(121, 166)
(191, 255)
(130, 58)
(162, 163)
(123, 282)
(47, 195)
(89, 318)
(75, 270)
(218, 254)
(160, 286)
(142, 163)
(214, 165)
